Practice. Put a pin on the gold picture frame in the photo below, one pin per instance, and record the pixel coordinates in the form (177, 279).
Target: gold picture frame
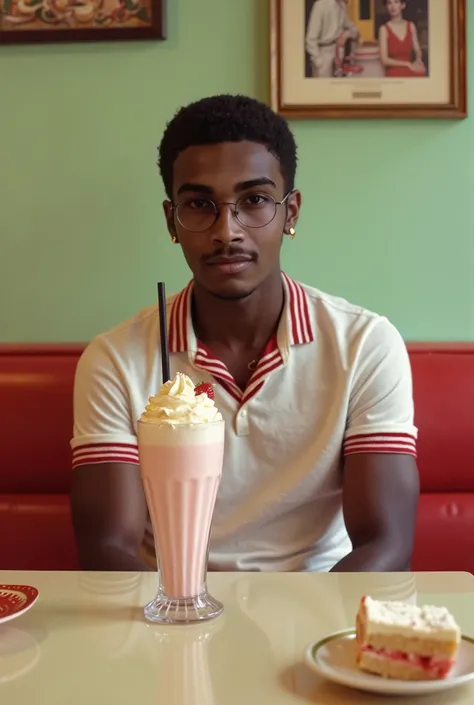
(441, 92)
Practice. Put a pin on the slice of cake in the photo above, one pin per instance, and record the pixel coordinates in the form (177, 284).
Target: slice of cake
(406, 642)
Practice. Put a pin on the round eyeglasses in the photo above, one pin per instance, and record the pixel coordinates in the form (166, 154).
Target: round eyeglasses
(253, 211)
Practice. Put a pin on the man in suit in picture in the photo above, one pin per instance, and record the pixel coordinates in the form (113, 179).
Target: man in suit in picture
(329, 26)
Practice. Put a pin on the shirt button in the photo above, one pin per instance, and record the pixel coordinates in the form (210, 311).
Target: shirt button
(243, 413)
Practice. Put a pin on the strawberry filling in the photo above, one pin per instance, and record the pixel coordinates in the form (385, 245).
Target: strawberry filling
(434, 665)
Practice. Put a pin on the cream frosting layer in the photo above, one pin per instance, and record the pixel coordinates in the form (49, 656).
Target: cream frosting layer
(425, 622)
(176, 403)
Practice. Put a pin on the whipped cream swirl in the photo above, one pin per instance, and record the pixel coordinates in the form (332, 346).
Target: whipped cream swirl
(176, 403)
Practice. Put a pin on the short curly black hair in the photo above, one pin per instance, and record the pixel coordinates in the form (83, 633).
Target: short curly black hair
(227, 118)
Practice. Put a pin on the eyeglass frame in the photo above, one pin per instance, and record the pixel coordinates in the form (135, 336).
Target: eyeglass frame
(217, 213)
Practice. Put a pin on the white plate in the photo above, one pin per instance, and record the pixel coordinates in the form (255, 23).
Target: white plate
(334, 658)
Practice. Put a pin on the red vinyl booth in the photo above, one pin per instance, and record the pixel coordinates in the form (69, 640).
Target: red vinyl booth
(36, 383)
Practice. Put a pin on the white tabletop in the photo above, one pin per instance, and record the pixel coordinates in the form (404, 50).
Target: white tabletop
(86, 641)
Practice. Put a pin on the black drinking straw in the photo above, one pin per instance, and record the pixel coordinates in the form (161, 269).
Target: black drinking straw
(165, 355)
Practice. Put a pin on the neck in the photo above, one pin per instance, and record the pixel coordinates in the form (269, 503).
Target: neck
(239, 323)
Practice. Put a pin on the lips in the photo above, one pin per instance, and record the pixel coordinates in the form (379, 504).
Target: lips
(231, 265)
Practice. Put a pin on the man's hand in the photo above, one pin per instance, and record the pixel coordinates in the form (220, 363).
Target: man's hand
(343, 38)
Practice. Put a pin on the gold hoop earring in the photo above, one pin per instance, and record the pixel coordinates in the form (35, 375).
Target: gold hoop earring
(292, 233)
(174, 239)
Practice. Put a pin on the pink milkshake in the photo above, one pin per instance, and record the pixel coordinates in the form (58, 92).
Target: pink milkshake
(181, 445)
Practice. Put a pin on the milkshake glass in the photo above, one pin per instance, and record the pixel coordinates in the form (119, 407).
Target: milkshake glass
(181, 446)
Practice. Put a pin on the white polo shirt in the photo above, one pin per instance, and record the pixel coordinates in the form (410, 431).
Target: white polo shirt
(335, 380)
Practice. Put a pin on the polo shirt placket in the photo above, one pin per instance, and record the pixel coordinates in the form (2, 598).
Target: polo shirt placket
(294, 329)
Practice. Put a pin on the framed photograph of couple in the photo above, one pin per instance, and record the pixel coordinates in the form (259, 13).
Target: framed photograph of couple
(368, 58)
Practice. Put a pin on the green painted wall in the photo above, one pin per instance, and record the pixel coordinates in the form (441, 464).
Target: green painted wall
(387, 220)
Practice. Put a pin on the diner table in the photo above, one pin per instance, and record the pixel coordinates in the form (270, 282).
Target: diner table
(85, 640)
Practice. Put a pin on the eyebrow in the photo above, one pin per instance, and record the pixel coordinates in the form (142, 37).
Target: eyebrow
(241, 186)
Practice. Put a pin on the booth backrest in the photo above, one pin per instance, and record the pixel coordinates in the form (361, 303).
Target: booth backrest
(36, 388)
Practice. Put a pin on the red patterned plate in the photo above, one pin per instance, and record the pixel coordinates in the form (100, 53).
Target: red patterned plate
(16, 600)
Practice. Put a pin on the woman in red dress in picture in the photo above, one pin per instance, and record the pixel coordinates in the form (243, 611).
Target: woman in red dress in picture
(400, 51)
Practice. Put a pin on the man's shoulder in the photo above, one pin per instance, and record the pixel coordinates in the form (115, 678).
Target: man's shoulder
(338, 320)
(337, 307)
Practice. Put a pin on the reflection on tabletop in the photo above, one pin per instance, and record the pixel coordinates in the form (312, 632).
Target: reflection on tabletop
(180, 662)
(335, 600)
(116, 596)
(19, 652)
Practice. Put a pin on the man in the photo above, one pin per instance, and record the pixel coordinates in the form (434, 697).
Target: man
(329, 28)
(319, 471)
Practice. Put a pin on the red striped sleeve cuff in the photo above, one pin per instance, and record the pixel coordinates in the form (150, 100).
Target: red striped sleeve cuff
(403, 443)
(95, 453)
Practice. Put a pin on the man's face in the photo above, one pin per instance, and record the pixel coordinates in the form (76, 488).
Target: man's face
(230, 259)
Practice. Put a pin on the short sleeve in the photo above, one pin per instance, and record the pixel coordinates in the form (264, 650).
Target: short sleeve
(103, 427)
(381, 409)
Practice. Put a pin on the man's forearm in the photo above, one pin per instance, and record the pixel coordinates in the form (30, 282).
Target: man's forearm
(374, 557)
(112, 558)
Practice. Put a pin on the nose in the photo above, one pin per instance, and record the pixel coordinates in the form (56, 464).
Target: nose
(227, 229)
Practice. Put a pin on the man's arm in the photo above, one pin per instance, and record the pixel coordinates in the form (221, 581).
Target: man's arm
(350, 27)
(109, 515)
(380, 500)
(380, 477)
(108, 504)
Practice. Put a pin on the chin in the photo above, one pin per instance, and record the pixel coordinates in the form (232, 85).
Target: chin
(230, 290)
(231, 293)
(232, 296)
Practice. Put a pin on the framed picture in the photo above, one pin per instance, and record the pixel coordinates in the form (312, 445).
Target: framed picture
(33, 21)
(368, 58)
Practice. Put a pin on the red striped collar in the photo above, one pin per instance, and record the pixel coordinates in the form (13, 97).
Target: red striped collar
(295, 318)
